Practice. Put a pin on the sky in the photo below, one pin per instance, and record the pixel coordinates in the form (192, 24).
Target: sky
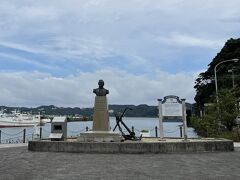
(54, 52)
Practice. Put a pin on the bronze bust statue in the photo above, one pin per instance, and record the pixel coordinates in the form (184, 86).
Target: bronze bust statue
(101, 91)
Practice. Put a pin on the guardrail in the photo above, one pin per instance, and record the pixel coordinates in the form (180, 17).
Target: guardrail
(19, 137)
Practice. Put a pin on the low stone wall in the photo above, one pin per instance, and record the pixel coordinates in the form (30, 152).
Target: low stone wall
(132, 147)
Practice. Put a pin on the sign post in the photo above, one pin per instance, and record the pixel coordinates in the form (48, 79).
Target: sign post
(160, 118)
(184, 118)
(172, 106)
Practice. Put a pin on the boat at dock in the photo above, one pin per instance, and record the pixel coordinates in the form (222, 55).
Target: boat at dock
(17, 119)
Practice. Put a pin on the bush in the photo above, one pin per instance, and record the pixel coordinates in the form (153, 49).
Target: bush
(219, 118)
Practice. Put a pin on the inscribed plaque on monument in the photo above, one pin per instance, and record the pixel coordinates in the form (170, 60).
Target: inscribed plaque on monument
(171, 108)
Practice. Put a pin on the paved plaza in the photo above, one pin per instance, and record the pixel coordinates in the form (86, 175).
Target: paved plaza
(19, 163)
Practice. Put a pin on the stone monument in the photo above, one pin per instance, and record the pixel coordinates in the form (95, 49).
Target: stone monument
(100, 115)
(101, 128)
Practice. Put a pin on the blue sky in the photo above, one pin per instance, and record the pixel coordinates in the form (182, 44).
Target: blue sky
(54, 52)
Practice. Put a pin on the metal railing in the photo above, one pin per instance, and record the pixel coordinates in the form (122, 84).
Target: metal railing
(19, 137)
(24, 136)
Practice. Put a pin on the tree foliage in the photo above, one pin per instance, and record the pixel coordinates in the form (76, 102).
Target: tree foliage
(228, 109)
(218, 117)
(205, 84)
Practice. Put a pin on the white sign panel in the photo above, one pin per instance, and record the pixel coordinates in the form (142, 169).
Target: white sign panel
(171, 107)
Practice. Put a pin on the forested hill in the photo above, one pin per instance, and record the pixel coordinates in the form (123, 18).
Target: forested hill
(227, 71)
(142, 110)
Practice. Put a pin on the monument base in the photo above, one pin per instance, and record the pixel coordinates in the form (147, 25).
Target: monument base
(146, 145)
(99, 136)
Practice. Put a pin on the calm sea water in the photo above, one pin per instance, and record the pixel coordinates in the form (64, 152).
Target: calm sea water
(171, 129)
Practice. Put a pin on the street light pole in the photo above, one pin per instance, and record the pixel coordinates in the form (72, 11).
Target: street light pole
(215, 74)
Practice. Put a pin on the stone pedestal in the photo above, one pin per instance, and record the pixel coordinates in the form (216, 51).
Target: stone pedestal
(100, 136)
(101, 127)
(100, 114)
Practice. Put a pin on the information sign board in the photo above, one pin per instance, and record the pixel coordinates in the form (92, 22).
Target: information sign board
(171, 107)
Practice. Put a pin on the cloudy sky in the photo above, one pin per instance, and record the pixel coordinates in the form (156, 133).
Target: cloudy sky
(55, 51)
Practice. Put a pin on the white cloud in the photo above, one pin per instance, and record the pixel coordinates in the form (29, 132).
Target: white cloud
(184, 40)
(102, 28)
(33, 89)
(135, 36)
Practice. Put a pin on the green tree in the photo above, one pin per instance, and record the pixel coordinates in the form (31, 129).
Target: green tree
(206, 125)
(218, 117)
(228, 109)
(205, 84)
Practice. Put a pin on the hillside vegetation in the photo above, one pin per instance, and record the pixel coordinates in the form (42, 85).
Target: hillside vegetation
(142, 110)
(218, 118)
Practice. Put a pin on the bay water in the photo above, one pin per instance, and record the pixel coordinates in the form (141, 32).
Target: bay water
(171, 129)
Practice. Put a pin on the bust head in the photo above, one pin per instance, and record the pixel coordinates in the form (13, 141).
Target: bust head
(101, 91)
(101, 83)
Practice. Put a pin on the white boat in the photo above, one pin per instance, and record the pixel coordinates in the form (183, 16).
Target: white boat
(145, 133)
(46, 120)
(16, 119)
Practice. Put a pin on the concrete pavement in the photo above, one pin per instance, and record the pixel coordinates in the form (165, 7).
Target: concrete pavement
(18, 163)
